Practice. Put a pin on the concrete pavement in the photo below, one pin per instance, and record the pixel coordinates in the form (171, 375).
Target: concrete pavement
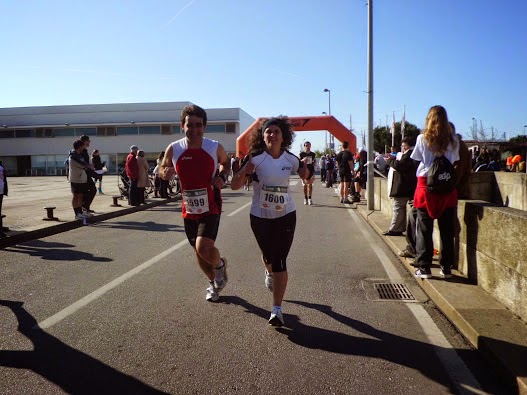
(488, 325)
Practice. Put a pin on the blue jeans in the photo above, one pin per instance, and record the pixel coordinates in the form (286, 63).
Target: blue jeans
(424, 244)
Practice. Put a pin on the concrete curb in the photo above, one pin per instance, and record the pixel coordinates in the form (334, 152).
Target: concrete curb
(493, 330)
(65, 226)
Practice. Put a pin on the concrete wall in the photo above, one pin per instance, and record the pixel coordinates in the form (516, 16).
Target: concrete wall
(491, 243)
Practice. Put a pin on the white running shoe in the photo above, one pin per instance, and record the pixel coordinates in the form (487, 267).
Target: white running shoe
(269, 280)
(277, 319)
(86, 213)
(310, 202)
(220, 275)
(212, 293)
(80, 217)
(305, 202)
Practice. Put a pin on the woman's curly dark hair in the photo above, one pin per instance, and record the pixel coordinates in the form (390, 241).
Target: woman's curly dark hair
(256, 140)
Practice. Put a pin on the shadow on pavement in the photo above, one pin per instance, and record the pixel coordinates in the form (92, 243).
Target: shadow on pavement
(55, 251)
(376, 343)
(72, 370)
(134, 225)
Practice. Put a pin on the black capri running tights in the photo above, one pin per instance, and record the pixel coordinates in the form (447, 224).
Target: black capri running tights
(275, 237)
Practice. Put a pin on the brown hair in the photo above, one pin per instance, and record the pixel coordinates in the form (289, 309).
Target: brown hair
(256, 140)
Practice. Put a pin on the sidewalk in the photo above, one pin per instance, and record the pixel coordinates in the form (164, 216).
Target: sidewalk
(488, 326)
(25, 213)
(492, 329)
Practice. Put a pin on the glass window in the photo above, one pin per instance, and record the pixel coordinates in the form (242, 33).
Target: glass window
(44, 132)
(24, 133)
(149, 130)
(106, 131)
(7, 134)
(215, 129)
(176, 129)
(231, 128)
(166, 129)
(126, 130)
(59, 132)
(85, 132)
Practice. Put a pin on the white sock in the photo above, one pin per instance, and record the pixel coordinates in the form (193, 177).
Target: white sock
(276, 309)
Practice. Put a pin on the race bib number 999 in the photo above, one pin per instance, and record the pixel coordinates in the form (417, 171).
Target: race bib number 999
(196, 201)
(273, 198)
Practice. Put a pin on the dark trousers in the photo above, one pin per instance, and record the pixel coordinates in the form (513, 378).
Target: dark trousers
(424, 243)
(323, 175)
(141, 195)
(163, 188)
(89, 195)
(133, 194)
(329, 179)
(411, 221)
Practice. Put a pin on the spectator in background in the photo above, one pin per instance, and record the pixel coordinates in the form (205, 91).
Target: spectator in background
(345, 163)
(132, 172)
(91, 190)
(98, 167)
(78, 179)
(322, 165)
(330, 166)
(142, 176)
(402, 187)
(3, 192)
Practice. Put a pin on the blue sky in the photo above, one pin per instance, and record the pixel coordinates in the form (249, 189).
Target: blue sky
(274, 57)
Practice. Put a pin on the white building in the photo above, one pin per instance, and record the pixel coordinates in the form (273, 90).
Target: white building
(36, 140)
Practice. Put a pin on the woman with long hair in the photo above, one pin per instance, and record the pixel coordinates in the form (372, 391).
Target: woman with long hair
(273, 212)
(437, 139)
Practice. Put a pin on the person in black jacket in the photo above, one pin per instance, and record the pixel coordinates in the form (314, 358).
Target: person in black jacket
(402, 187)
(3, 192)
(92, 190)
(98, 165)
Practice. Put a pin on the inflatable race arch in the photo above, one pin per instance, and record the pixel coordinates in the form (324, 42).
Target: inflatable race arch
(304, 124)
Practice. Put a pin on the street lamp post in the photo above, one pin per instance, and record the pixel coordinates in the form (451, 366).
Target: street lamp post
(325, 135)
(329, 113)
(524, 126)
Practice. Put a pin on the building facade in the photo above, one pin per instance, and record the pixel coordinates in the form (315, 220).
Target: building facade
(37, 140)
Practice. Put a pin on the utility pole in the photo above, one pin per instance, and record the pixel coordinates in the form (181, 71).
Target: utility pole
(370, 175)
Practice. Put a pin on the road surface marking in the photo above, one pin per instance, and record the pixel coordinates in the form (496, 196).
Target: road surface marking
(71, 309)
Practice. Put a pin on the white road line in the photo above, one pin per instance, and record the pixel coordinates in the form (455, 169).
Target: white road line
(71, 309)
(293, 182)
(458, 372)
(239, 209)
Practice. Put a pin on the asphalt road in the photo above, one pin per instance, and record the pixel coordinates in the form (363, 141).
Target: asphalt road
(119, 308)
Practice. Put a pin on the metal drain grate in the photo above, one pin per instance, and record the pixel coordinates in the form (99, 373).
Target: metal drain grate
(393, 291)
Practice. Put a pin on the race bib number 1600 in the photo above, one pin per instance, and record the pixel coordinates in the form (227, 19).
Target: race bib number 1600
(273, 197)
(196, 201)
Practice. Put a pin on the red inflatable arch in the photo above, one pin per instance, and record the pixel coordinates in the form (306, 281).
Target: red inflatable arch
(305, 124)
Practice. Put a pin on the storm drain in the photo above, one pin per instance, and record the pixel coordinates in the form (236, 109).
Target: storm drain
(389, 291)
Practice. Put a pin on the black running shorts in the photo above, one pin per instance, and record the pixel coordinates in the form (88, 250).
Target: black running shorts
(206, 226)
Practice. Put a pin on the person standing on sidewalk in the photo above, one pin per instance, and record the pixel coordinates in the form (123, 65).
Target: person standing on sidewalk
(322, 165)
(3, 192)
(345, 164)
(437, 139)
(132, 172)
(98, 166)
(91, 190)
(309, 159)
(273, 212)
(142, 180)
(195, 159)
(402, 188)
(78, 178)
